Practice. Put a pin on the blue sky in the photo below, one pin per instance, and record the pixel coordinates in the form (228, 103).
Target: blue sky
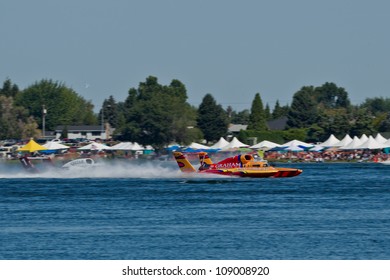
(231, 49)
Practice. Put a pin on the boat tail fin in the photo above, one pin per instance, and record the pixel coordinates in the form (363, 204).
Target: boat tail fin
(183, 163)
(28, 165)
(204, 158)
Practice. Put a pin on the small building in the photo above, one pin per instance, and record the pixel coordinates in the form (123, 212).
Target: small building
(89, 132)
(278, 124)
(235, 128)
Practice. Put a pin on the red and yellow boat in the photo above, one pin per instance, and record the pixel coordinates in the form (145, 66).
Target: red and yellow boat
(241, 166)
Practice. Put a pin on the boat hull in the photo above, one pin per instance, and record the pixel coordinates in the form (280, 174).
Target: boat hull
(287, 172)
(242, 172)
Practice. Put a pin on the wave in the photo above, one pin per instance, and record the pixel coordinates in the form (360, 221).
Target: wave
(104, 169)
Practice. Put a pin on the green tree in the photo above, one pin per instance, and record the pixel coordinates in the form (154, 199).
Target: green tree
(9, 89)
(230, 112)
(316, 133)
(332, 121)
(121, 116)
(15, 121)
(279, 111)
(183, 127)
(384, 125)
(240, 117)
(362, 123)
(331, 96)
(64, 132)
(333, 112)
(110, 112)
(303, 111)
(212, 119)
(267, 111)
(257, 117)
(339, 123)
(276, 136)
(157, 115)
(295, 133)
(376, 105)
(64, 106)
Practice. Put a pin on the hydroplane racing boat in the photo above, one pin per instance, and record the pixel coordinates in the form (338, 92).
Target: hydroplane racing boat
(79, 163)
(75, 164)
(240, 165)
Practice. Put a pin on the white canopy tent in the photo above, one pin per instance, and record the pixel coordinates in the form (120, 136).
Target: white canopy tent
(371, 144)
(363, 138)
(127, 146)
(137, 147)
(95, 147)
(297, 143)
(198, 146)
(55, 146)
(379, 138)
(265, 145)
(220, 144)
(295, 146)
(122, 146)
(345, 141)
(149, 148)
(235, 143)
(330, 142)
(353, 144)
(387, 144)
(317, 148)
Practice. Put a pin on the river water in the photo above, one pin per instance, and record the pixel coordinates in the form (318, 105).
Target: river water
(152, 211)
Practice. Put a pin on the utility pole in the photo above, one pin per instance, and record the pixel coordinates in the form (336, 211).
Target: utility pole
(103, 126)
(44, 111)
(102, 122)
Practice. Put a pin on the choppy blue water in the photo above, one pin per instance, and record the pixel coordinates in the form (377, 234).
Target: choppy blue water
(330, 211)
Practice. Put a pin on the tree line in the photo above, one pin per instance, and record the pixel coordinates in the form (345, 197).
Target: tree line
(157, 115)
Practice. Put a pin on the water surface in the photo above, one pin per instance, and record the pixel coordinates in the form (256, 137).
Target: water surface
(132, 211)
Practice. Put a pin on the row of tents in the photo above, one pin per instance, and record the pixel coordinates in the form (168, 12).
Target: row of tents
(52, 147)
(346, 143)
